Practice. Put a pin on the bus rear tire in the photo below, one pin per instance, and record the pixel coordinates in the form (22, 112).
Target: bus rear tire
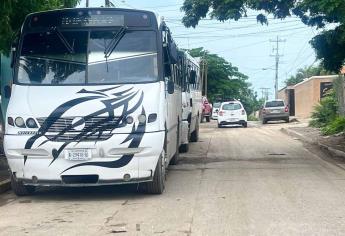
(174, 160)
(194, 136)
(158, 184)
(184, 148)
(20, 189)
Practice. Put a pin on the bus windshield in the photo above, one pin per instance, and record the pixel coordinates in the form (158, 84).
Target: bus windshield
(81, 57)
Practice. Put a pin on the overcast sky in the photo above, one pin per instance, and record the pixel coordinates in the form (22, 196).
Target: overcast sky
(245, 43)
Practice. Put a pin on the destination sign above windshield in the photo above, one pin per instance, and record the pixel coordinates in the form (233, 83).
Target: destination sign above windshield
(89, 18)
(93, 20)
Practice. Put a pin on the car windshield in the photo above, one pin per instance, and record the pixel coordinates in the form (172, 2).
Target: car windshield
(274, 104)
(216, 105)
(232, 106)
(78, 57)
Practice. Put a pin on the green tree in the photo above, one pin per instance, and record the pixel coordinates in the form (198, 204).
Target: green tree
(306, 72)
(329, 45)
(13, 13)
(225, 81)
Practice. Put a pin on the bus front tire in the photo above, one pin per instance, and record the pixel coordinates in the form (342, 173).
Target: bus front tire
(20, 189)
(158, 184)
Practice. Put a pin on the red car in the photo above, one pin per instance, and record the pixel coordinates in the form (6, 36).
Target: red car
(206, 110)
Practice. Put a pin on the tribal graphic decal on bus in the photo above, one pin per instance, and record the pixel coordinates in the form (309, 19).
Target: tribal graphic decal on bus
(97, 126)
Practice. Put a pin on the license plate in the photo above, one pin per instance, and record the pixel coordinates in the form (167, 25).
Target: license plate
(232, 119)
(276, 111)
(78, 154)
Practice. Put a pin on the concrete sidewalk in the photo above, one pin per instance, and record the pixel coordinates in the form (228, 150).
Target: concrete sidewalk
(334, 145)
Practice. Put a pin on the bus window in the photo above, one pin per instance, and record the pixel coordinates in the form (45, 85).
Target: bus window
(46, 59)
(133, 60)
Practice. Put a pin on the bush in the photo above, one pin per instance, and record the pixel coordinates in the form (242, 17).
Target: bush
(252, 118)
(336, 126)
(325, 112)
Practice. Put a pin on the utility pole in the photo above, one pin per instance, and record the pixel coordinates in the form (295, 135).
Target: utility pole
(264, 93)
(277, 58)
(206, 71)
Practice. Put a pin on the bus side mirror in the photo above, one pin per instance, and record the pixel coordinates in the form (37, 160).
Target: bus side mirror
(171, 87)
(7, 90)
(192, 78)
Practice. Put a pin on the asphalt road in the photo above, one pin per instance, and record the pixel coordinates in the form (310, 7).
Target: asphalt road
(235, 181)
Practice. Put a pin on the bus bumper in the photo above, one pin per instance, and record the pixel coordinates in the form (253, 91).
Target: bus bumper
(41, 169)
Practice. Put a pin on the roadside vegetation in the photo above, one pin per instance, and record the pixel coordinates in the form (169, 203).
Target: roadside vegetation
(226, 82)
(329, 43)
(327, 117)
(13, 14)
(306, 72)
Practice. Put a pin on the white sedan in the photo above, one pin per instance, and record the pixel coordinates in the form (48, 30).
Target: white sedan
(232, 113)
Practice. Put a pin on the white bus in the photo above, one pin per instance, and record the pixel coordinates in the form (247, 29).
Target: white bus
(95, 100)
(191, 100)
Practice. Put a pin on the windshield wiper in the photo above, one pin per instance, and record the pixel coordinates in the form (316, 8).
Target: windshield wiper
(63, 40)
(114, 42)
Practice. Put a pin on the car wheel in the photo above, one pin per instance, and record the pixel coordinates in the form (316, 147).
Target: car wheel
(220, 126)
(20, 189)
(264, 121)
(158, 184)
(194, 136)
(245, 125)
(287, 120)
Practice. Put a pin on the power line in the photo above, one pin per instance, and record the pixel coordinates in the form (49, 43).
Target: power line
(251, 26)
(213, 40)
(242, 35)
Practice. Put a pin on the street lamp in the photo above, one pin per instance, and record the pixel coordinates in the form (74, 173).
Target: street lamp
(267, 68)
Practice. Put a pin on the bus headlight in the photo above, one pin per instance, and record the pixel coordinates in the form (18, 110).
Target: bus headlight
(31, 123)
(142, 118)
(19, 121)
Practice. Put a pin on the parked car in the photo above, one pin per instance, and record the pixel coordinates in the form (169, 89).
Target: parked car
(232, 113)
(206, 110)
(215, 110)
(274, 110)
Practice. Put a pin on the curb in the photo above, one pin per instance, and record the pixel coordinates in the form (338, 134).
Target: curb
(5, 185)
(330, 150)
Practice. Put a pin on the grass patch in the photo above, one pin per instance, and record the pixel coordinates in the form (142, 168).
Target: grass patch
(334, 127)
(252, 118)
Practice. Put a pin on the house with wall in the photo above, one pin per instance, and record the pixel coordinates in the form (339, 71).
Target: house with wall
(302, 98)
